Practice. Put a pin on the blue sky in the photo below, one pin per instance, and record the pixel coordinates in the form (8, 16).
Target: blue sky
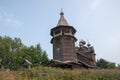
(95, 20)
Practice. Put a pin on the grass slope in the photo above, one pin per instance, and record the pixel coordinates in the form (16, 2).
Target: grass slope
(47, 73)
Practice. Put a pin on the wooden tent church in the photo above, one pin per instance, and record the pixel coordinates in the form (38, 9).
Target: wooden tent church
(65, 54)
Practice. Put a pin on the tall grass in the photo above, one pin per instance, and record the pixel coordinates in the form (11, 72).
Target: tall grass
(48, 73)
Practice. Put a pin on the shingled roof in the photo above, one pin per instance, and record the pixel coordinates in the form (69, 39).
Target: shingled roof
(62, 21)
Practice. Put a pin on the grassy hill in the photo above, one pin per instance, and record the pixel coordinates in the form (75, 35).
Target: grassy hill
(48, 73)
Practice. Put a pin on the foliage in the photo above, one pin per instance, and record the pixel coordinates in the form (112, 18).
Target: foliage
(13, 53)
(102, 63)
(48, 73)
(118, 66)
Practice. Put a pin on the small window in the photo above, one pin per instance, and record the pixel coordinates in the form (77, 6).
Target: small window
(65, 30)
(57, 32)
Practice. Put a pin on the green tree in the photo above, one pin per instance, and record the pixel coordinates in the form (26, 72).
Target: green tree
(44, 58)
(102, 63)
(111, 65)
(9, 51)
(118, 65)
(13, 53)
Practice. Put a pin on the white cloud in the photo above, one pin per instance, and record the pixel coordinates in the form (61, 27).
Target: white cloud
(114, 40)
(7, 20)
(12, 22)
(112, 48)
(95, 4)
(114, 44)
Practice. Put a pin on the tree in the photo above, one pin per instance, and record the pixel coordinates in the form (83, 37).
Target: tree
(111, 65)
(9, 50)
(102, 63)
(44, 58)
(13, 53)
(35, 55)
(118, 66)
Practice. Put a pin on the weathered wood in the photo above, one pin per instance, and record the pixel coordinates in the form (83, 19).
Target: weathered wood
(64, 49)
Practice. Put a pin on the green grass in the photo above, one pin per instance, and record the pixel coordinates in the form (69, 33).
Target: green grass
(48, 73)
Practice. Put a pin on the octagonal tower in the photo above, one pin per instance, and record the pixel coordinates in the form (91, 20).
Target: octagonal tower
(63, 40)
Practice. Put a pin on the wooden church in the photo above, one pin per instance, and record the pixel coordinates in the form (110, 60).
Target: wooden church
(65, 54)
